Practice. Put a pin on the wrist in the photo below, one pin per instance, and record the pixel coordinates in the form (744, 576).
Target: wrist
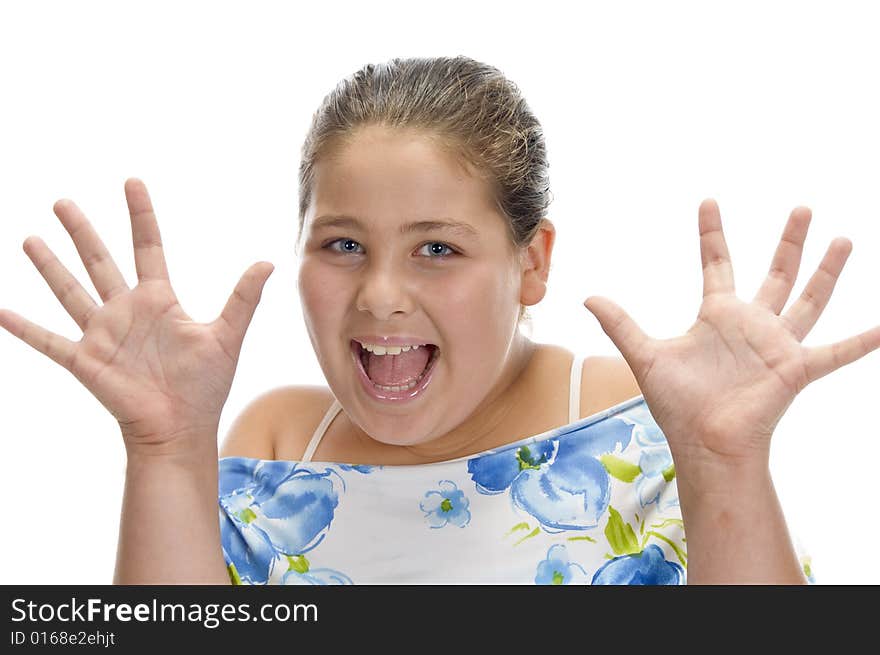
(193, 447)
(189, 472)
(709, 475)
(731, 495)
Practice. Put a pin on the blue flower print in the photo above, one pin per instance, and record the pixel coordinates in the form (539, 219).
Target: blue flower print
(300, 573)
(272, 507)
(316, 577)
(648, 567)
(495, 472)
(646, 431)
(657, 471)
(557, 569)
(446, 505)
(560, 481)
(360, 468)
(248, 548)
(655, 461)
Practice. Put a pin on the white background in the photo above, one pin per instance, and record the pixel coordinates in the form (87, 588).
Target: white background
(648, 108)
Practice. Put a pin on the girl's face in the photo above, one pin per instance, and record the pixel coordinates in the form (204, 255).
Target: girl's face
(458, 288)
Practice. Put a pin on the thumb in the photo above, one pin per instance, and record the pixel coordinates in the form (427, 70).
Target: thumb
(629, 339)
(236, 316)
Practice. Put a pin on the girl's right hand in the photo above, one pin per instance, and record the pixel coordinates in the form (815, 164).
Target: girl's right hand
(164, 377)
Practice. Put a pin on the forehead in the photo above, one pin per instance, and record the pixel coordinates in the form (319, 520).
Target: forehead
(400, 176)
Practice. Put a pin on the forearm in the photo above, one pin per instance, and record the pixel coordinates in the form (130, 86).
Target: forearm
(169, 528)
(736, 531)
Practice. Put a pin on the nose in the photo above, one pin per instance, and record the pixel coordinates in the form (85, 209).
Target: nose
(384, 291)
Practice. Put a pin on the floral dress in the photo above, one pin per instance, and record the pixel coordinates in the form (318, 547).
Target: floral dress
(591, 502)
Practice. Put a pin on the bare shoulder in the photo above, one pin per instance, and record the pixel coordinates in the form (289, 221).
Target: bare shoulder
(256, 430)
(606, 382)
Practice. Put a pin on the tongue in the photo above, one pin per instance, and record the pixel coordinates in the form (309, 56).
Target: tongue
(397, 370)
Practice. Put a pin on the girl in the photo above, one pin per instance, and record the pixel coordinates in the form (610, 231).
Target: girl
(436, 454)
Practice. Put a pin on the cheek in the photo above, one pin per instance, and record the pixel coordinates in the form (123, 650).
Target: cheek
(476, 318)
(317, 289)
(482, 297)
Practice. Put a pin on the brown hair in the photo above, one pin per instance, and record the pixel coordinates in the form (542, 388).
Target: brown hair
(469, 108)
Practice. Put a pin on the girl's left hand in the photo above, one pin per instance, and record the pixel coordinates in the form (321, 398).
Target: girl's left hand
(718, 391)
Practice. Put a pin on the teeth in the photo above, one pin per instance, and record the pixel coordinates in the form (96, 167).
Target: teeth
(411, 385)
(389, 350)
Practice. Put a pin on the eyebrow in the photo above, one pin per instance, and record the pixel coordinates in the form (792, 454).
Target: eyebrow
(435, 225)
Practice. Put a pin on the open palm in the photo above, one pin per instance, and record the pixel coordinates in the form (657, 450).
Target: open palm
(159, 373)
(719, 390)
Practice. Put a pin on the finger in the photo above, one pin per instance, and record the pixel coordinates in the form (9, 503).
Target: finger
(777, 287)
(717, 269)
(149, 257)
(628, 337)
(101, 268)
(54, 346)
(803, 314)
(822, 360)
(236, 316)
(75, 299)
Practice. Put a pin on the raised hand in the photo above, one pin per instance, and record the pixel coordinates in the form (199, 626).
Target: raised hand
(161, 375)
(719, 390)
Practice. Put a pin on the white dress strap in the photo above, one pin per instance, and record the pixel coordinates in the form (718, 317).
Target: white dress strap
(320, 430)
(574, 389)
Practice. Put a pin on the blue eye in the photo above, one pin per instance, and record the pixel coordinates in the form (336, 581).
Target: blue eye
(442, 245)
(335, 241)
(438, 255)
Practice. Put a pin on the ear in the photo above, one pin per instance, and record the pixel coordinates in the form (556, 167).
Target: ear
(535, 260)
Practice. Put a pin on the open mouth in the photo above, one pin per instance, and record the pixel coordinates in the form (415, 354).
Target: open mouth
(362, 356)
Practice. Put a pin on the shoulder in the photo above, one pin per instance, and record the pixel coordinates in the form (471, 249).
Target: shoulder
(255, 431)
(605, 382)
